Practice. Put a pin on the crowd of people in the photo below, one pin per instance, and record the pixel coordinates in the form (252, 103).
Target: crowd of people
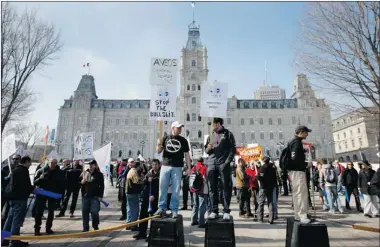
(152, 187)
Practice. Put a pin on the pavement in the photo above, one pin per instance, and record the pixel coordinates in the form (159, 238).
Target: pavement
(247, 232)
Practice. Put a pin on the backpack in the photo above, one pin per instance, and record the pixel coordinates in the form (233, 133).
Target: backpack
(330, 176)
(285, 158)
(196, 181)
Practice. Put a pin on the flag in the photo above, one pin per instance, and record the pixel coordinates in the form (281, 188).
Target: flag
(86, 65)
(193, 4)
(46, 134)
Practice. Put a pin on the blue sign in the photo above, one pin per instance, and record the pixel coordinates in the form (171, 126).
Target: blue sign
(52, 135)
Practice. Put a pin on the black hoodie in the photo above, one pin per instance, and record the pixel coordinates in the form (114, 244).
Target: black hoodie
(155, 184)
(267, 176)
(350, 178)
(223, 148)
(51, 180)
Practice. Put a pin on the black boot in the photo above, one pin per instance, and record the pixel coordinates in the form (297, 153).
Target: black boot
(37, 231)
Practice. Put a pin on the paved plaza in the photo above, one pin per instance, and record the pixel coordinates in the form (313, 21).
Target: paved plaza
(247, 232)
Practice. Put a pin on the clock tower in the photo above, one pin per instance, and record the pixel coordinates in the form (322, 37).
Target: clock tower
(193, 72)
(303, 92)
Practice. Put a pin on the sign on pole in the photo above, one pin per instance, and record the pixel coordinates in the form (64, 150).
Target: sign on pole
(8, 146)
(163, 71)
(84, 146)
(163, 102)
(214, 100)
(197, 153)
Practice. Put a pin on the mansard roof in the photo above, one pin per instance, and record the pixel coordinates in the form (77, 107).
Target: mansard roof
(266, 104)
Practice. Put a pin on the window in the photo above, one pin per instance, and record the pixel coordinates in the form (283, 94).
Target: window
(188, 87)
(242, 121)
(345, 144)
(228, 120)
(136, 121)
(261, 121)
(193, 100)
(270, 121)
(199, 118)
(187, 133)
(280, 136)
(126, 136)
(193, 117)
(351, 132)
(107, 136)
(193, 63)
(145, 121)
(193, 87)
(279, 121)
(271, 135)
(353, 143)
(262, 135)
(360, 142)
(199, 134)
(199, 87)
(243, 137)
(144, 136)
(344, 134)
(135, 136)
(358, 130)
(117, 136)
(338, 137)
(293, 120)
(187, 117)
(309, 119)
(251, 121)
(126, 121)
(252, 135)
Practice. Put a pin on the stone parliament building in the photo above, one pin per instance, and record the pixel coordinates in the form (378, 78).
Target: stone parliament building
(270, 123)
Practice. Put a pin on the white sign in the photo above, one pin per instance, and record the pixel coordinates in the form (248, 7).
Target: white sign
(163, 102)
(197, 153)
(83, 146)
(103, 158)
(8, 147)
(163, 71)
(214, 100)
(205, 137)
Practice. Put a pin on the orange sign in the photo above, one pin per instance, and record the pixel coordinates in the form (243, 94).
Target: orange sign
(251, 154)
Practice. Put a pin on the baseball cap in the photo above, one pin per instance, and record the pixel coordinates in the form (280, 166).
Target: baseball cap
(216, 120)
(131, 160)
(302, 129)
(177, 124)
(93, 162)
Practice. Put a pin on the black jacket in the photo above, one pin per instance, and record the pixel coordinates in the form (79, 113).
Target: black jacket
(73, 177)
(20, 184)
(267, 177)
(223, 148)
(4, 175)
(51, 180)
(297, 155)
(155, 185)
(375, 183)
(350, 178)
(363, 179)
(94, 187)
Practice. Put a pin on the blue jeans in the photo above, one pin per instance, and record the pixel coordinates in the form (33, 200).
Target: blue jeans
(133, 207)
(90, 205)
(275, 199)
(170, 175)
(16, 215)
(333, 198)
(199, 209)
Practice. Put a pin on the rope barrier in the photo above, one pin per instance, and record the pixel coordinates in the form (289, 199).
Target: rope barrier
(80, 234)
(365, 228)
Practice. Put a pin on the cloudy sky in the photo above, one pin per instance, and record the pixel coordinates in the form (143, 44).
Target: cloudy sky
(119, 38)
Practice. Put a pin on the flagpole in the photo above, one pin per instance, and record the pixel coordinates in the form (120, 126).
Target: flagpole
(88, 65)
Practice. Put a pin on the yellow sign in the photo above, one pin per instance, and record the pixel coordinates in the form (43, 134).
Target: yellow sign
(252, 154)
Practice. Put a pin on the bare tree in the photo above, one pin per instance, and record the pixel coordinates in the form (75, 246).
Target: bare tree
(27, 45)
(28, 133)
(339, 44)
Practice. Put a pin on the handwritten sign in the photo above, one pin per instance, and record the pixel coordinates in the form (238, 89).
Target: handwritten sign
(8, 147)
(251, 154)
(163, 71)
(197, 153)
(214, 99)
(83, 146)
(163, 103)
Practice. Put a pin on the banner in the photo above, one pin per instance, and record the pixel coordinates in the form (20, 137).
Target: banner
(84, 146)
(163, 103)
(8, 146)
(163, 71)
(252, 154)
(214, 100)
(103, 157)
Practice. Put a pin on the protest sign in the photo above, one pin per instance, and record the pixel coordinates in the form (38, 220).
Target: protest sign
(103, 157)
(8, 146)
(214, 99)
(163, 71)
(197, 153)
(251, 154)
(83, 146)
(163, 103)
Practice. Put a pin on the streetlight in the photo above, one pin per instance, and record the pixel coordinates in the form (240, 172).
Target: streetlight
(142, 148)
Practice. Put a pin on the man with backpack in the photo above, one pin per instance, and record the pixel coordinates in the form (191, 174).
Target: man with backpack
(293, 160)
(329, 180)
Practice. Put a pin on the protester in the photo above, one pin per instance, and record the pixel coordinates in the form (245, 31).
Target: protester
(49, 178)
(133, 188)
(185, 188)
(92, 192)
(371, 208)
(221, 152)
(175, 148)
(242, 185)
(350, 184)
(122, 176)
(320, 189)
(375, 183)
(17, 193)
(253, 187)
(200, 193)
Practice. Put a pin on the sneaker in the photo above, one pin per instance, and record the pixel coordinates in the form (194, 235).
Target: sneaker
(160, 212)
(49, 231)
(226, 216)
(305, 221)
(194, 223)
(367, 215)
(212, 216)
(72, 215)
(60, 215)
(174, 215)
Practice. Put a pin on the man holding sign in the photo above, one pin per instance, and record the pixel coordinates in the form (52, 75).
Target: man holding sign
(221, 152)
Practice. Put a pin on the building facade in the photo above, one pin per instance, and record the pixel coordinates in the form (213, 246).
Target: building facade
(356, 136)
(269, 93)
(125, 122)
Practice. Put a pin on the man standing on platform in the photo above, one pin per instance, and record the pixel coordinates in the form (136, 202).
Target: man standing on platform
(221, 152)
(175, 148)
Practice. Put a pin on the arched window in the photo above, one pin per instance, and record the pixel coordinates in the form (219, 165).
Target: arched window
(130, 153)
(193, 87)
(268, 153)
(188, 87)
(355, 157)
(138, 152)
(199, 118)
(363, 156)
(187, 132)
(199, 134)
(348, 158)
(187, 117)
(199, 87)
(193, 63)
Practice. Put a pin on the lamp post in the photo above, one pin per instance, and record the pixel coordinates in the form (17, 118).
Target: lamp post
(142, 148)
